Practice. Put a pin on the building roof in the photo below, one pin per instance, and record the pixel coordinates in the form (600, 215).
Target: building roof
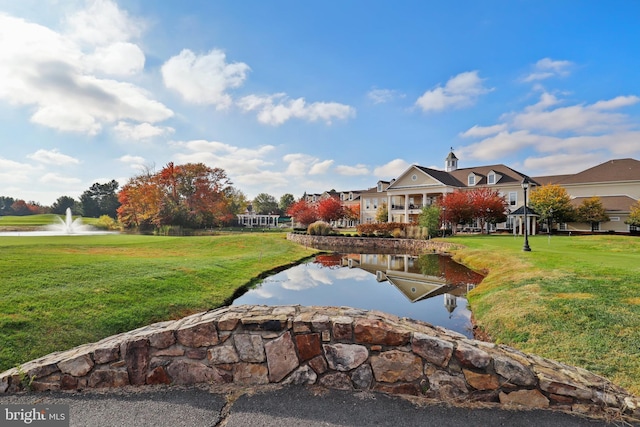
(458, 177)
(609, 171)
(610, 203)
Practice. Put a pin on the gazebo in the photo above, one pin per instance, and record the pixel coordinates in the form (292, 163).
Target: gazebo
(518, 220)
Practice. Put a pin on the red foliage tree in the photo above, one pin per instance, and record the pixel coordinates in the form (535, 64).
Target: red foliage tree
(303, 213)
(330, 209)
(456, 208)
(488, 206)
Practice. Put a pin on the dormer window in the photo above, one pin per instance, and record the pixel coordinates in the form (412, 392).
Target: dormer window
(471, 180)
(491, 178)
(379, 187)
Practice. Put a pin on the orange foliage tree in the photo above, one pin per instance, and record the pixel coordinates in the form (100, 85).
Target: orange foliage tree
(191, 195)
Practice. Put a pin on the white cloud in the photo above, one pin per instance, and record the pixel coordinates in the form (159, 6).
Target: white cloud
(53, 157)
(352, 170)
(460, 91)
(559, 164)
(278, 108)
(52, 72)
(14, 172)
(56, 178)
(392, 169)
(546, 68)
(382, 96)
(234, 160)
(479, 131)
(581, 118)
(141, 132)
(204, 79)
(102, 23)
(320, 168)
(118, 59)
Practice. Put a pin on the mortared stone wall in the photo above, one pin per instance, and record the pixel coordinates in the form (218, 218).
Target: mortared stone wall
(335, 347)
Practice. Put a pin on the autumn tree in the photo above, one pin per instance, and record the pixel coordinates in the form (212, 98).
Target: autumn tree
(382, 214)
(264, 204)
(592, 210)
(352, 212)
(140, 199)
(488, 206)
(237, 200)
(303, 213)
(634, 215)
(191, 195)
(330, 209)
(20, 208)
(456, 208)
(552, 203)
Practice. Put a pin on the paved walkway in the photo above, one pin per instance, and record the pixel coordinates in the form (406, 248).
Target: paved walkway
(284, 407)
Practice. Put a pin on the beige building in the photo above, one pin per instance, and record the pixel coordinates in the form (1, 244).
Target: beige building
(616, 182)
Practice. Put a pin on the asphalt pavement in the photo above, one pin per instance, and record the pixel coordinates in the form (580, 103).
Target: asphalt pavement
(292, 406)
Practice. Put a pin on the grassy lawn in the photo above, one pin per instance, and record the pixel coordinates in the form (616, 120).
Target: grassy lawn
(39, 220)
(573, 299)
(59, 292)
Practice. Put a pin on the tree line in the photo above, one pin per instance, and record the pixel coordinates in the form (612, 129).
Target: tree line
(194, 195)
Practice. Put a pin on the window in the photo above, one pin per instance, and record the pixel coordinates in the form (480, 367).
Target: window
(350, 196)
(562, 226)
(367, 203)
(491, 178)
(414, 177)
(471, 179)
(375, 203)
(513, 198)
(379, 187)
(633, 228)
(614, 219)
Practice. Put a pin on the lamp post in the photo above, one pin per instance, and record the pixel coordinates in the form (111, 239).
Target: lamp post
(525, 186)
(444, 221)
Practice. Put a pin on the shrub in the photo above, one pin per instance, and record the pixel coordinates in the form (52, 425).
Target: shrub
(319, 228)
(397, 233)
(105, 222)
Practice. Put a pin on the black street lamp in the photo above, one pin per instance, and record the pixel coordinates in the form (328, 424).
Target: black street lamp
(444, 221)
(525, 185)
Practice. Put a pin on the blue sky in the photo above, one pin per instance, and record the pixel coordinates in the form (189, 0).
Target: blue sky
(295, 96)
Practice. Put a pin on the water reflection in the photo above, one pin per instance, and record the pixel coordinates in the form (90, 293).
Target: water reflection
(404, 285)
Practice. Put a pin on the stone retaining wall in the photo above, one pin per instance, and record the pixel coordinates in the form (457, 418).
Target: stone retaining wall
(410, 246)
(342, 348)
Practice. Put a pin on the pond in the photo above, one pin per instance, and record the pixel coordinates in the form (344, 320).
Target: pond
(431, 288)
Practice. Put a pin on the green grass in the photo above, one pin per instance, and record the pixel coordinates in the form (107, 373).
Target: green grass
(39, 220)
(59, 292)
(574, 299)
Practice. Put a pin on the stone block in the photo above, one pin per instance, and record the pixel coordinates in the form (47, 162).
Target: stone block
(528, 398)
(393, 366)
(250, 348)
(377, 332)
(251, 374)
(281, 357)
(432, 349)
(345, 357)
(472, 357)
(199, 335)
(78, 366)
(308, 346)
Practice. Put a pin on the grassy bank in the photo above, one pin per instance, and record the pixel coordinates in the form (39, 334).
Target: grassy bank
(59, 292)
(573, 299)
